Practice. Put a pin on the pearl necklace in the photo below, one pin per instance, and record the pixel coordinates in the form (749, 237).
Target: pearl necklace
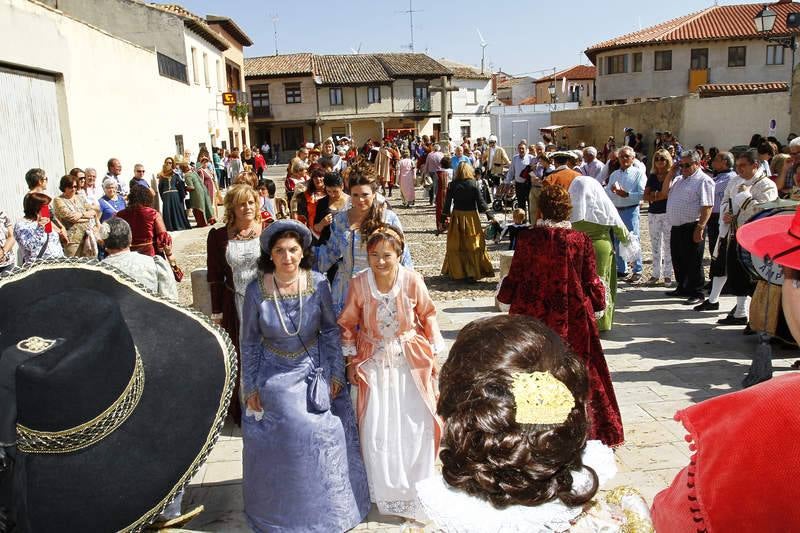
(275, 298)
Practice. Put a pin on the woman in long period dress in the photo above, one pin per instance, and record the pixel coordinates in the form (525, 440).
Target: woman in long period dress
(232, 263)
(390, 336)
(553, 278)
(443, 178)
(302, 466)
(172, 207)
(594, 214)
(350, 228)
(406, 173)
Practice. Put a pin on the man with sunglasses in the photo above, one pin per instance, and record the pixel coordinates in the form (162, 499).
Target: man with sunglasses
(689, 205)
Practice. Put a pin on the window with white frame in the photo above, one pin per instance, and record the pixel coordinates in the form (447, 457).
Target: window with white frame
(472, 96)
(336, 96)
(373, 95)
(774, 54)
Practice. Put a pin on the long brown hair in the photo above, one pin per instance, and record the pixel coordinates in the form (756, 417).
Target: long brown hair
(364, 174)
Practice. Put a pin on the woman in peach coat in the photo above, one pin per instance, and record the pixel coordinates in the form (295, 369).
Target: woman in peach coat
(390, 336)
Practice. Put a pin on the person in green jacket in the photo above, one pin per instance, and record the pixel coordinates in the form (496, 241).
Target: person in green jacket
(199, 200)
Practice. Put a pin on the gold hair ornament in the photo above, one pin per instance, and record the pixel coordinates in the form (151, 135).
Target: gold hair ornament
(541, 398)
(387, 231)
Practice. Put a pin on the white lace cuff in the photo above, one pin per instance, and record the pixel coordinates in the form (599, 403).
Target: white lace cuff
(349, 350)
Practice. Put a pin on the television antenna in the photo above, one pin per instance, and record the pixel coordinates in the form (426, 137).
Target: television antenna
(411, 12)
(483, 49)
(275, 31)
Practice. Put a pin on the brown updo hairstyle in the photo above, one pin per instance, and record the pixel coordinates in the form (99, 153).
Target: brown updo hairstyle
(248, 177)
(364, 174)
(390, 234)
(265, 263)
(140, 196)
(555, 203)
(486, 453)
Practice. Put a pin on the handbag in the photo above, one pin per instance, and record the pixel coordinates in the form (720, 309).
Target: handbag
(318, 394)
(177, 271)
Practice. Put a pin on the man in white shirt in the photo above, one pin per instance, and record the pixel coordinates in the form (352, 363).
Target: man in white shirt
(93, 190)
(522, 186)
(114, 172)
(591, 166)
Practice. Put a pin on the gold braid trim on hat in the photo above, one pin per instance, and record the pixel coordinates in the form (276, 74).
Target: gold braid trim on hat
(541, 398)
(91, 432)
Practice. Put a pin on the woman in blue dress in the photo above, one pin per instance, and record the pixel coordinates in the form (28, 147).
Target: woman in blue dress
(367, 212)
(303, 470)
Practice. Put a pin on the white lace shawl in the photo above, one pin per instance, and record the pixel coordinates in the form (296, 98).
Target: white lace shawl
(454, 511)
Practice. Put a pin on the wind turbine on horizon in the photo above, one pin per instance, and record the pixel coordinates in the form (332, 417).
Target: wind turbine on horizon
(484, 44)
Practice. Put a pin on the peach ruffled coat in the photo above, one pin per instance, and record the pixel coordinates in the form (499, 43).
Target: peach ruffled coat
(418, 331)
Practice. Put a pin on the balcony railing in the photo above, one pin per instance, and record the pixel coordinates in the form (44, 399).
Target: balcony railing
(422, 104)
(262, 112)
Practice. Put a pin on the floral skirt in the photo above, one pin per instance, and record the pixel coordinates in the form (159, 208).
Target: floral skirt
(466, 248)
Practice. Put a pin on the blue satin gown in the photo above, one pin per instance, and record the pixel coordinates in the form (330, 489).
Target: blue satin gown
(303, 470)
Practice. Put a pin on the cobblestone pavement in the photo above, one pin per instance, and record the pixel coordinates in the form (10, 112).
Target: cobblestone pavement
(663, 357)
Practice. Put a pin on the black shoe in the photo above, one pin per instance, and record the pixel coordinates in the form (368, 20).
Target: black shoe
(634, 278)
(707, 306)
(748, 330)
(693, 300)
(732, 321)
(732, 312)
(674, 292)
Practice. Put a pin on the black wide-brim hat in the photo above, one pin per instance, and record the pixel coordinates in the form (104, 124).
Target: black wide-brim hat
(126, 479)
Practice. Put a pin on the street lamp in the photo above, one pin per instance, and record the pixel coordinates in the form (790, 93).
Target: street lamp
(552, 91)
(765, 22)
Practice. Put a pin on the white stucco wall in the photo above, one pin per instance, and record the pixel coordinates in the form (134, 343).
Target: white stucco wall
(206, 96)
(476, 114)
(113, 102)
(650, 83)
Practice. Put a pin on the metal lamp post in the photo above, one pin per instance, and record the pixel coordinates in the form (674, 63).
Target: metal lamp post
(764, 22)
(551, 90)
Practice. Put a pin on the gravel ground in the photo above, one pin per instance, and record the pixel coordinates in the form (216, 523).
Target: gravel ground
(427, 249)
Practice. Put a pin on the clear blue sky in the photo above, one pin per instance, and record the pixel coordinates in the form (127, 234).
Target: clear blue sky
(524, 36)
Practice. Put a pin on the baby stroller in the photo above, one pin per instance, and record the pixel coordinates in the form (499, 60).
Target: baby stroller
(505, 198)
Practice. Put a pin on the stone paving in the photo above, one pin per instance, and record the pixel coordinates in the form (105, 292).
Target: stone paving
(663, 356)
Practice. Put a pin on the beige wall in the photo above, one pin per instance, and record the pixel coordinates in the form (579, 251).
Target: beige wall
(306, 110)
(382, 107)
(348, 106)
(723, 122)
(650, 83)
(543, 95)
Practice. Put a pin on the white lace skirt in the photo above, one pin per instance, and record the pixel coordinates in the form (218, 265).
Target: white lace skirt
(396, 438)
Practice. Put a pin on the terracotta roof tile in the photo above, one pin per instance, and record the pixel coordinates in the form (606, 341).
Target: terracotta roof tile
(280, 65)
(408, 65)
(195, 23)
(528, 101)
(578, 72)
(713, 23)
(463, 71)
(349, 69)
(730, 89)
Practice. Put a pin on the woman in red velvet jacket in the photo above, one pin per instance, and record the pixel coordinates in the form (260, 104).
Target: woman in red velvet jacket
(553, 278)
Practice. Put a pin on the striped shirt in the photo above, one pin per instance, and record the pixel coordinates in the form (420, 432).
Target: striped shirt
(687, 196)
